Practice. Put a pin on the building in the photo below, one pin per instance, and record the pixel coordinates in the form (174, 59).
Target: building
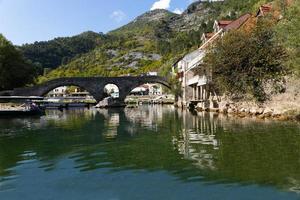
(195, 80)
(148, 89)
(140, 91)
(58, 92)
(155, 89)
(206, 36)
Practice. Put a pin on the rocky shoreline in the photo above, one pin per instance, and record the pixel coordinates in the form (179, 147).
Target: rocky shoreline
(282, 106)
(260, 113)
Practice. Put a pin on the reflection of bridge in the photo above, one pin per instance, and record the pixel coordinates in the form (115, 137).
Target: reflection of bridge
(94, 85)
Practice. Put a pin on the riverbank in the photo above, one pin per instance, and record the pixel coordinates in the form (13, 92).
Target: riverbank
(11, 107)
(158, 99)
(282, 106)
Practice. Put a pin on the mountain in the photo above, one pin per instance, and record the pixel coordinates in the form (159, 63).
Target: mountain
(51, 54)
(151, 42)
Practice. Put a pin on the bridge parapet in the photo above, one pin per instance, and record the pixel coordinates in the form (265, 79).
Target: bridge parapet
(94, 85)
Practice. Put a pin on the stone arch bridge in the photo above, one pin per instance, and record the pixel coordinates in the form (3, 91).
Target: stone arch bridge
(94, 85)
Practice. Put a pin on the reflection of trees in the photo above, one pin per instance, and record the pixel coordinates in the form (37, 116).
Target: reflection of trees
(214, 148)
(47, 137)
(238, 150)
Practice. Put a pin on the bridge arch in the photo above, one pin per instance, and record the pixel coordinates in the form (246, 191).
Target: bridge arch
(93, 85)
(143, 80)
(49, 89)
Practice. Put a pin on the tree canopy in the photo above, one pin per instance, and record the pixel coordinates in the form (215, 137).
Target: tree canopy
(288, 32)
(53, 53)
(15, 71)
(244, 62)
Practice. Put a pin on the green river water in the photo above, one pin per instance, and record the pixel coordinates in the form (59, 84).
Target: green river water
(150, 152)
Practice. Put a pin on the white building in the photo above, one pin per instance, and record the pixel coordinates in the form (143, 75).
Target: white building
(58, 92)
(194, 78)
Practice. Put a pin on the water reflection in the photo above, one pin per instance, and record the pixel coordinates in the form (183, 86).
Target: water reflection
(200, 147)
(197, 139)
(246, 151)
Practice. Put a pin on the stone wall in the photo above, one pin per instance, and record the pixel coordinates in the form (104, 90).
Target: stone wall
(281, 106)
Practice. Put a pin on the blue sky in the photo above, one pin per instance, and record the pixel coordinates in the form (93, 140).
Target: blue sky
(26, 21)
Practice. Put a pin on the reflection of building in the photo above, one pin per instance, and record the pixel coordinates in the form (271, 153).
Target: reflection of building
(197, 141)
(113, 123)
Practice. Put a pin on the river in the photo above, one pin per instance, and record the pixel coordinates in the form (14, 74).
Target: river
(150, 152)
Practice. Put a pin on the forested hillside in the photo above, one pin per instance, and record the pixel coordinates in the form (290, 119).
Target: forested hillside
(153, 41)
(15, 70)
(51, 54)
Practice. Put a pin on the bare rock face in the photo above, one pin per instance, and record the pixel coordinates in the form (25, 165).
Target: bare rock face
(165, 22)
(132, 59)
(112, 52)
(141, 55)
(154, 15)
(191, 19)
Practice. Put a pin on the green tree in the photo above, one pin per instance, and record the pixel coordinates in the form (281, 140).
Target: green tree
(288, 32)
(244, 62)
(15, 71)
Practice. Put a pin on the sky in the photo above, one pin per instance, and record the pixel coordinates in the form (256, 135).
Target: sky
(27, 21)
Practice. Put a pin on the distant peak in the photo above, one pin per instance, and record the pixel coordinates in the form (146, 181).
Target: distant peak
(154, 15)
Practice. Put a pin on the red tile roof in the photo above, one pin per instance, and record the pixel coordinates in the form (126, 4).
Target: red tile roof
(224, 23)
(238, 22)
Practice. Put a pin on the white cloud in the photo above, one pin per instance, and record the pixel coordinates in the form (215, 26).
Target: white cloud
(118, 15)
(161, 4)
(178, 11)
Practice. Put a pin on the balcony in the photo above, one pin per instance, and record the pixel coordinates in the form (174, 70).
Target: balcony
(198, 80)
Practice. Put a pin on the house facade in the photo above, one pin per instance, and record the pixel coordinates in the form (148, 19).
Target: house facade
(196, 81)
(58, 92)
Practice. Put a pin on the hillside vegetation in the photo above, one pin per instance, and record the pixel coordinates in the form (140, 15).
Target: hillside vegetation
(51, 54)
(288, 33)
(15, 70)
(152, 42)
